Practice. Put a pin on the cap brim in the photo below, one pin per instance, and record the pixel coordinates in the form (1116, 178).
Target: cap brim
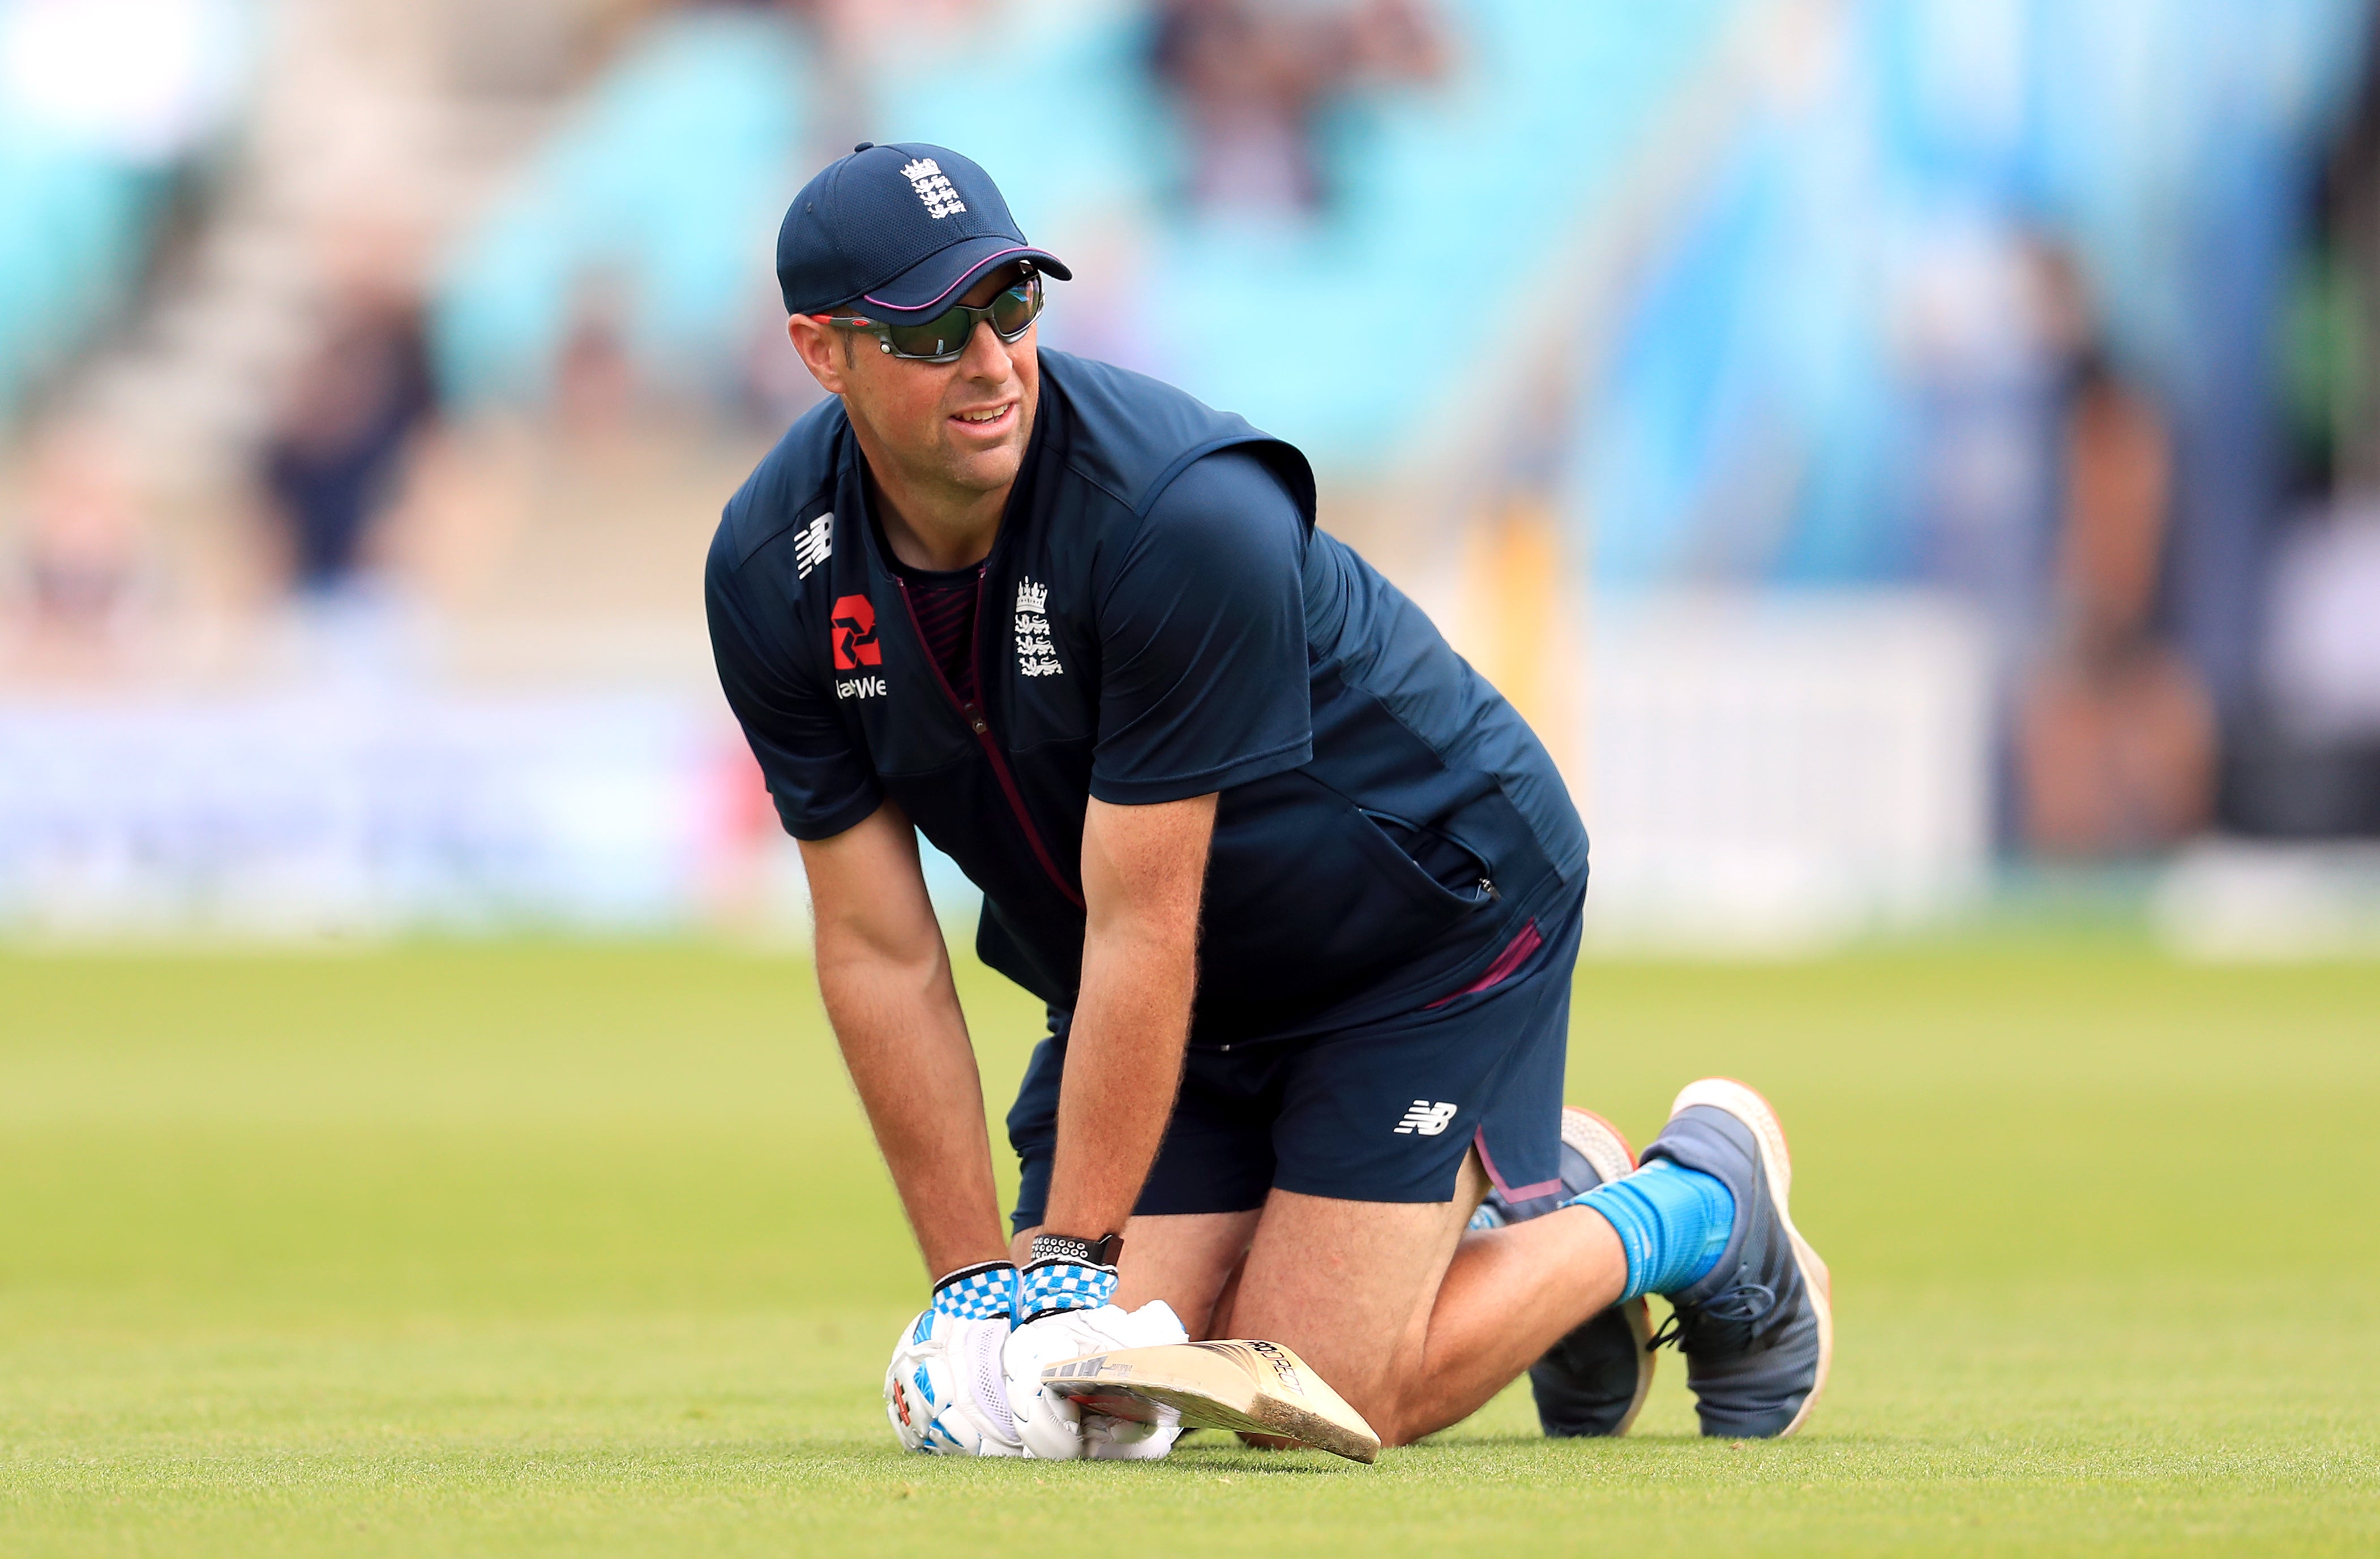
(943, 278)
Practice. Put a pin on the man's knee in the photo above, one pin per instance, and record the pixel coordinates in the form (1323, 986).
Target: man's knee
(1349, 1287)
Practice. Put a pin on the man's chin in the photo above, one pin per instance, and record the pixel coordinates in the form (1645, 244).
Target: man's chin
(986, 470)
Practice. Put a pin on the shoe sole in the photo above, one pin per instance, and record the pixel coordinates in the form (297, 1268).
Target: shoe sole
(1599, 1142)
(1746, 1104)
(1611, 1156)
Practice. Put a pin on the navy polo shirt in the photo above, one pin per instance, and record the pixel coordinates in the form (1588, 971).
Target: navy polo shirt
(1158, 619)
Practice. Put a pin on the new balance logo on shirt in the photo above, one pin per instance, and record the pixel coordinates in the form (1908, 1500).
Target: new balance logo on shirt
(1425, 1117)
(813, 544)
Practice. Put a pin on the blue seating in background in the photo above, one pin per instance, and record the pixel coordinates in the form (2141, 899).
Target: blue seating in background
(76, 228)
(1447, 199)
(663, 186)
(1751, 362)
(671, 175)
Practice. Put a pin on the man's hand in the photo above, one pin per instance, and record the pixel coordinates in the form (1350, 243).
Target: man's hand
(944, 1390)
(1052, 1428)
(1144, 868)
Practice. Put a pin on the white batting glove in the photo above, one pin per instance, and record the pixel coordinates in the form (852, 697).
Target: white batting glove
(943, 1391)
(1054, 1429)
(1113, 1439)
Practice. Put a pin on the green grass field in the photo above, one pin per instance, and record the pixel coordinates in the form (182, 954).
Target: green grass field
(582, 1250)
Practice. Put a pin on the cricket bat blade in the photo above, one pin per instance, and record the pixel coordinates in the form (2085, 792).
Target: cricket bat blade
(1245, 1386)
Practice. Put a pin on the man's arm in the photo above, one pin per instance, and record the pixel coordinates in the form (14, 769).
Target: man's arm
(1144, 868)
(886, 979)
(1204, 685)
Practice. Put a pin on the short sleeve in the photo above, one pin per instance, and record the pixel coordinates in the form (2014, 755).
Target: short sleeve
(1202, 640)
(823, 785)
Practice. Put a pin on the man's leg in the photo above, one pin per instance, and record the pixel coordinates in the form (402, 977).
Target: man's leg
(1387, 1137)
(1414, 1321)
(1417, 1323)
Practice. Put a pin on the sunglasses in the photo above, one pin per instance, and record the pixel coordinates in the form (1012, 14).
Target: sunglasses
(943, 338)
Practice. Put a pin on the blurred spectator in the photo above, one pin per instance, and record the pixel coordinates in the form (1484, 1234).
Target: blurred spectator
(2306, 760)
(82, 571)
(1988, 330)
(860, 44)
(528, 49)
(776, 388)
(333, 460)
(2309, 764)
(2115, 733)
(1253, 78)
(2323, 657)
(595, 389)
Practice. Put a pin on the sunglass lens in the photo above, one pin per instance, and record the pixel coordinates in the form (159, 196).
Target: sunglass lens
(1016, 308)
(945, 336)
(939, 337)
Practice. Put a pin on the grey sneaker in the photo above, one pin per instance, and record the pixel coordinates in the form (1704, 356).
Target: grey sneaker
(1592, 1381)
(1758, 1331)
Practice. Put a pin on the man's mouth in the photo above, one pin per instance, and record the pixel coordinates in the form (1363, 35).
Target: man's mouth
(986, 417)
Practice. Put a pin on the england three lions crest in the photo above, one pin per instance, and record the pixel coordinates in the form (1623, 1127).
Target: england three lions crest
(933, 188)
(1036, 656)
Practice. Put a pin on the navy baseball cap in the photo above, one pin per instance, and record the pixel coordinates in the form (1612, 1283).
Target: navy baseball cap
(900, 231)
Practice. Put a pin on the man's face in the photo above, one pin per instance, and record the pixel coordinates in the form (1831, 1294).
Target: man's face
(961, 424)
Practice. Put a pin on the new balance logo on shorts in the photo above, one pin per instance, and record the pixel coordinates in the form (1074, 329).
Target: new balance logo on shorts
(1425, 1117)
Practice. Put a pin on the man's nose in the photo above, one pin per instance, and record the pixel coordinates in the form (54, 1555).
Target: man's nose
(985, 355)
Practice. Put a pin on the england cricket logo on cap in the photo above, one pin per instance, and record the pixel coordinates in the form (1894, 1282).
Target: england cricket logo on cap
(925, 177)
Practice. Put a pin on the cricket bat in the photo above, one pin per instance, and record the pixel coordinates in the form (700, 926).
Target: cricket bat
(1246, 1386)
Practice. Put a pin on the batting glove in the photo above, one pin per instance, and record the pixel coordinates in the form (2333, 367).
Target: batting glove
(943, 1391)
(1051, 1287)
(1054, 1429)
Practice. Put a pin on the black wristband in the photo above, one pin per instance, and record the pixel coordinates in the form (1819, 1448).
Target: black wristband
(1101, 1253)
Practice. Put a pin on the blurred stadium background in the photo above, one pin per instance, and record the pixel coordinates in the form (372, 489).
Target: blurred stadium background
(1916, 460)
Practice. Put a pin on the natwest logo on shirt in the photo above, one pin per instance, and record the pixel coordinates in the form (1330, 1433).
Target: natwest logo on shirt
(855, 635)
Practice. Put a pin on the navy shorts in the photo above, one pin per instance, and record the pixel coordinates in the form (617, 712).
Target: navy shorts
(1379, 1112)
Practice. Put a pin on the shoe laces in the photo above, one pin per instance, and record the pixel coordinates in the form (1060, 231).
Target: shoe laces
(1731, 1315)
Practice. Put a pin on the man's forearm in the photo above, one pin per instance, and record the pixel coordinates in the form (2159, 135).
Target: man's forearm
(886, 979)
(1144, 868)
(905, 1042)
(1123, 1061)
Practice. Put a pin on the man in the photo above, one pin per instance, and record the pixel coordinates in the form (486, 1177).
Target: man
(1300, 890)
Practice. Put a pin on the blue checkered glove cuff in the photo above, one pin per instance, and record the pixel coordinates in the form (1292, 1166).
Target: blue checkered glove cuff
(987, 1292)
(1047, 1287)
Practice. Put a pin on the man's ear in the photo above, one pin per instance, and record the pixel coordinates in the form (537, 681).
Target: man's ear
(820, 353)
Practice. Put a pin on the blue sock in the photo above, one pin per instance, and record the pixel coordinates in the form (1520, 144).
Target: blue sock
(1672, 1224)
